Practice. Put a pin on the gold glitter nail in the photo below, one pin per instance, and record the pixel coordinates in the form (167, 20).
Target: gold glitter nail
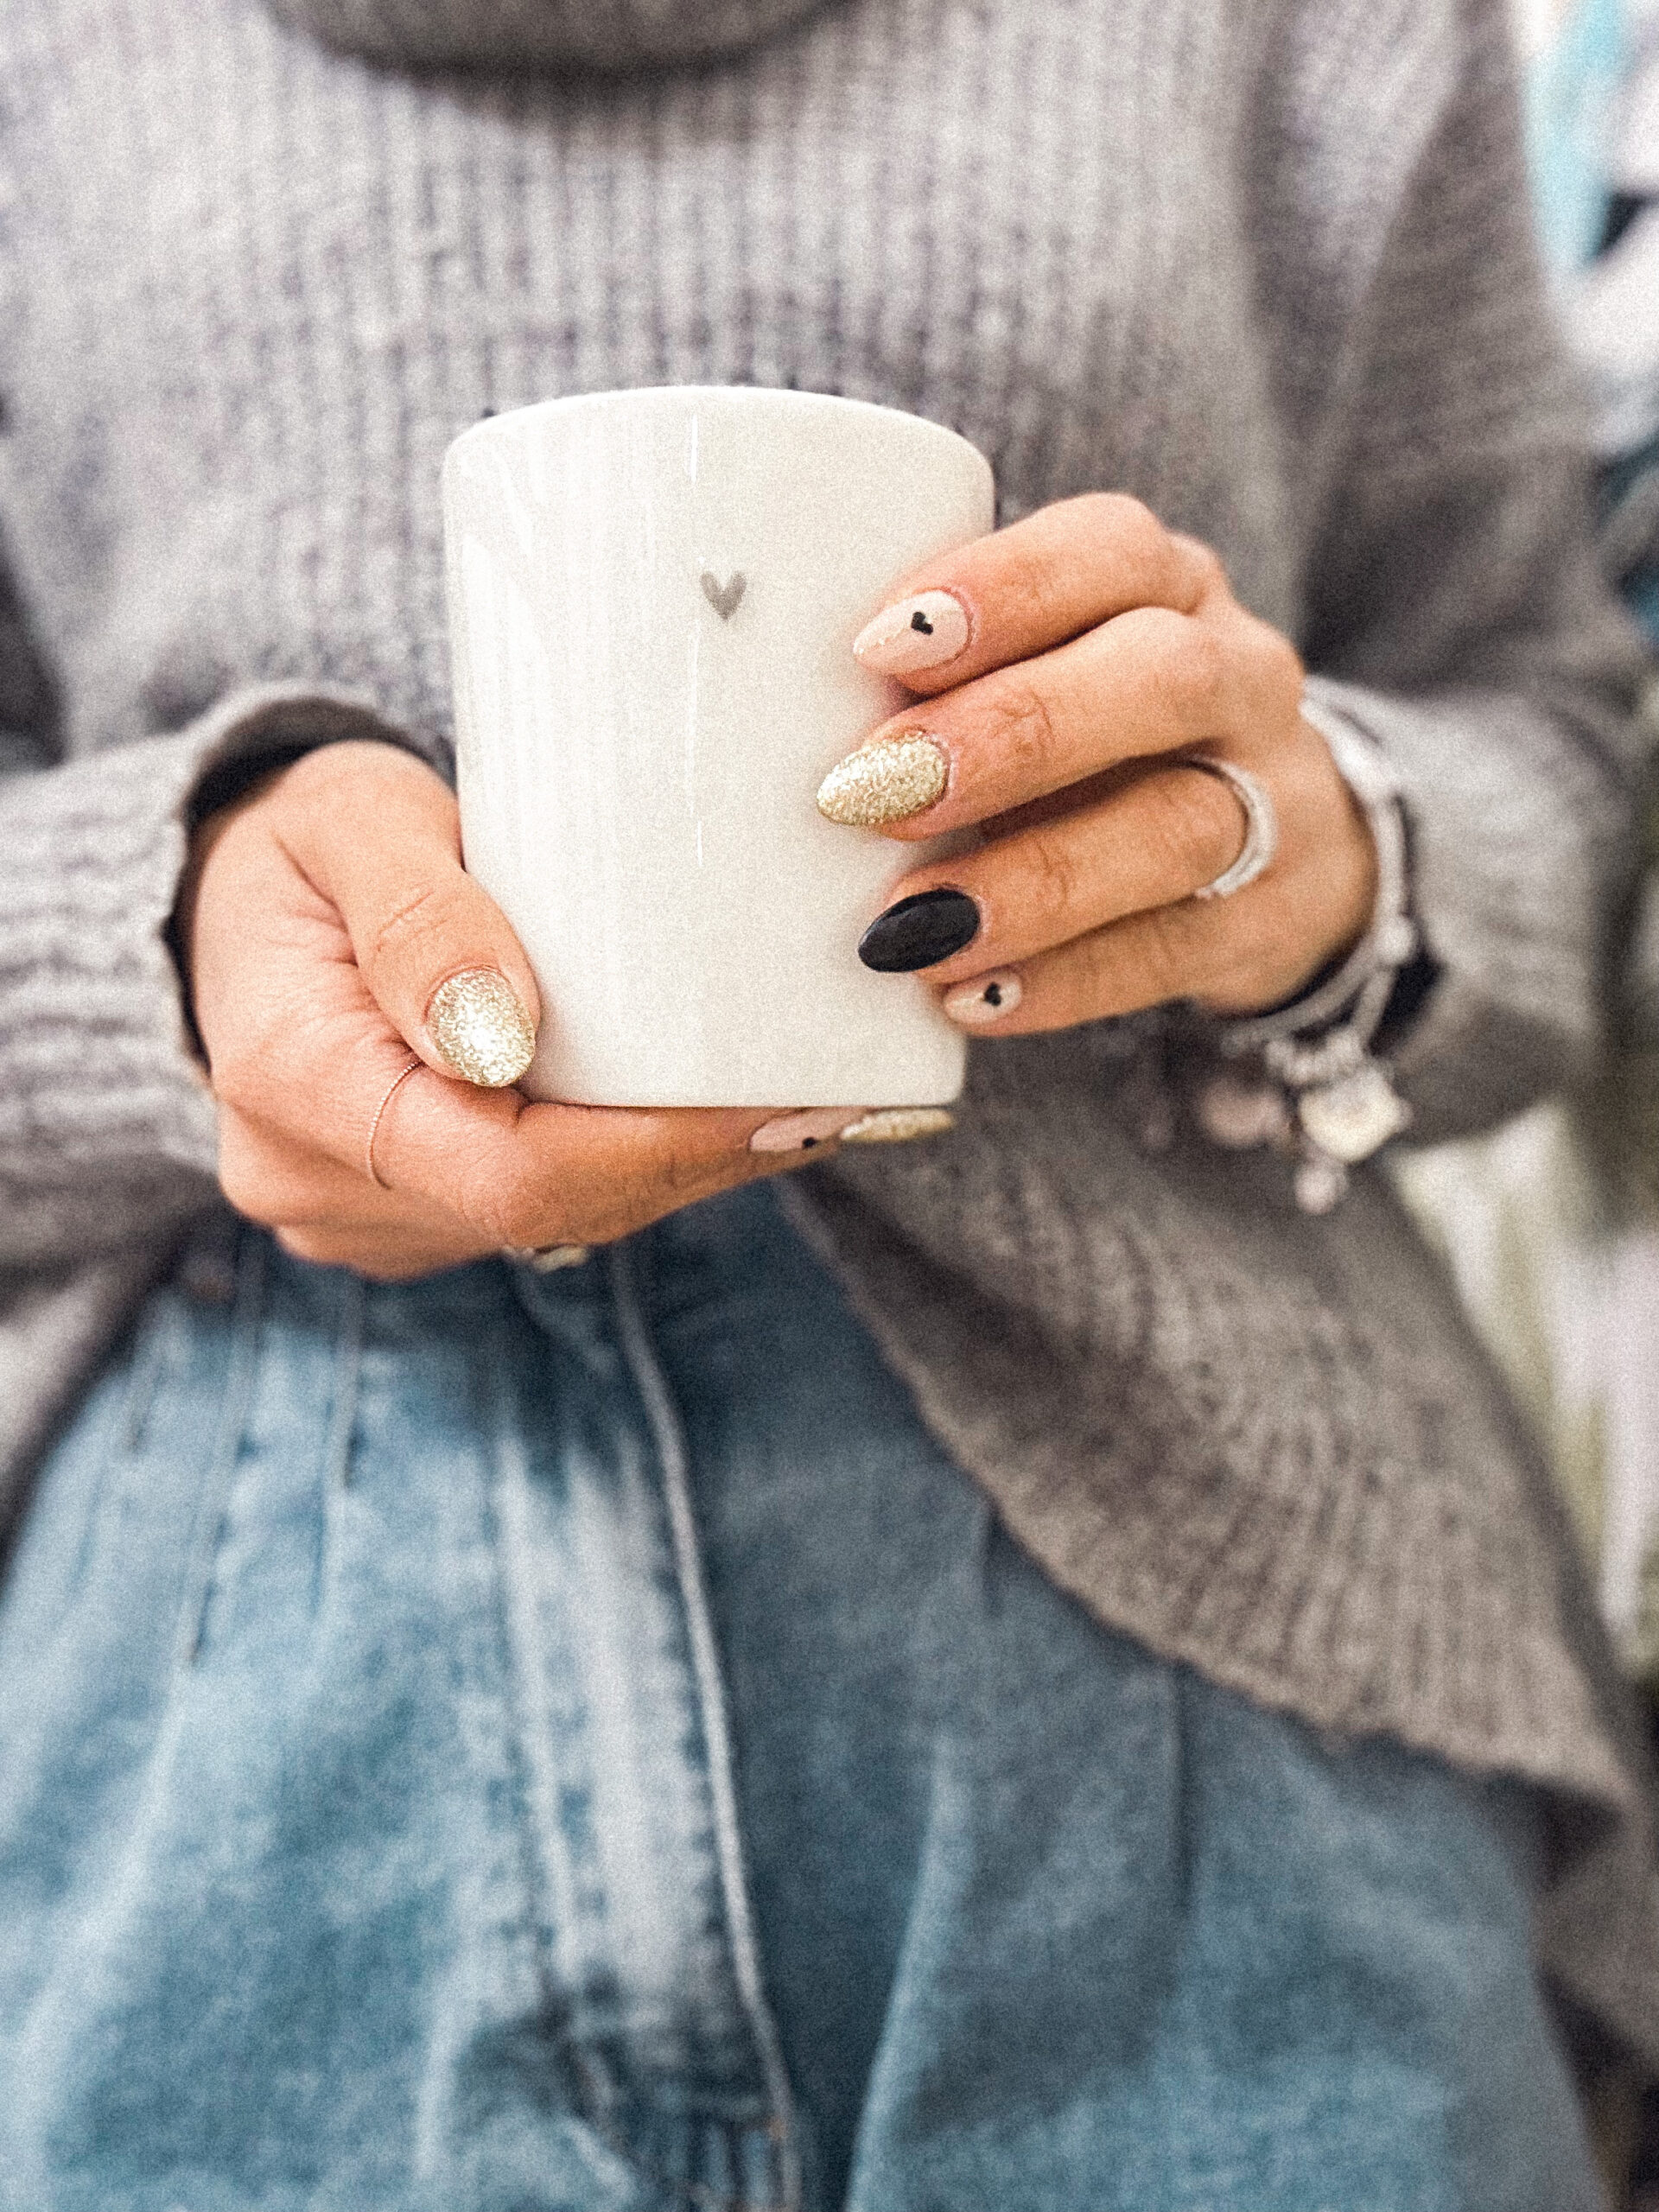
(480, 1030)
(884, 782)
(898, 1124)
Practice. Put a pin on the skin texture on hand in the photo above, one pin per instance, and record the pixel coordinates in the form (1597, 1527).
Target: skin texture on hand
(1096, 646)
(322, 915)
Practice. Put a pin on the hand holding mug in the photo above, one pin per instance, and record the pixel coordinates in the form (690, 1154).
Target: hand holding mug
(1070, 667)
(365, 1007)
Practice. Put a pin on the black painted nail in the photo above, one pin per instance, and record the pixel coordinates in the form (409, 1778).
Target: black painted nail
(919, 931)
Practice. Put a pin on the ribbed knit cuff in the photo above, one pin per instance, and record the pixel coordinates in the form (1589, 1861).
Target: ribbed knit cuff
(106, 1126)
(1513, 836)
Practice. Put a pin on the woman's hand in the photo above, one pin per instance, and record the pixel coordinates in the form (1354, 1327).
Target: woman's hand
(1073, 658)
(322, 917)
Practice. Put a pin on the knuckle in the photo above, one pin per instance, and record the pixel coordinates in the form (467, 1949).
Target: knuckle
(1140, 543)
(1021, 726)
(411, 927)
(239, 1077)
(1164, 956)
(1200, 679)
(243, 1178)
(258, 1063)
(1195, 824)
(1275, 670)
(510, 1213)
(1208, 568)
(1129, 523)
(1052, 887)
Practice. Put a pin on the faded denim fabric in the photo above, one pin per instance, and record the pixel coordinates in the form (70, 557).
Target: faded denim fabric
(508, 1743)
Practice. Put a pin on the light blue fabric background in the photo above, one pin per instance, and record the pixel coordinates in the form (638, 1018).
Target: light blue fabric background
(1572, 78)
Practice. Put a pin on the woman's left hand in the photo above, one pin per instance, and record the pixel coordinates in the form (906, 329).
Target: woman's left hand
(1076, 657)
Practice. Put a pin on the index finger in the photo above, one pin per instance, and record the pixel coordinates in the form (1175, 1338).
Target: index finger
(1033, 586)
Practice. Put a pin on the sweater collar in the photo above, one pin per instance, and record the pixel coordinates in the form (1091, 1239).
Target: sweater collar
(542, 35)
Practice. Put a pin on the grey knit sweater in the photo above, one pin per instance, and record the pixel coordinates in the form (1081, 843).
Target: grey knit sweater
(1267, 267)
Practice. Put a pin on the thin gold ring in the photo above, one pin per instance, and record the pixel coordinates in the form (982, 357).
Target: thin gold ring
(402, 1076)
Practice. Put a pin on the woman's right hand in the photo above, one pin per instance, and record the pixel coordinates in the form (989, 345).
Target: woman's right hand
(322, 913)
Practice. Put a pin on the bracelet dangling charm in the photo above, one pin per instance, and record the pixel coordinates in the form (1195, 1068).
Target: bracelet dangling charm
(1326, 1098)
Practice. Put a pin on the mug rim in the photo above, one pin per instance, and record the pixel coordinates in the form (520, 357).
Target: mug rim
(783, 398)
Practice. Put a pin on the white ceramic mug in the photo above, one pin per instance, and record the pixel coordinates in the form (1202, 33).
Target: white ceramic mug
(654, 597)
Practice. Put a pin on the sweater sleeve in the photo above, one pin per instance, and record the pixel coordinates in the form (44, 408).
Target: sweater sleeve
(106, 1124)
(1454, 612)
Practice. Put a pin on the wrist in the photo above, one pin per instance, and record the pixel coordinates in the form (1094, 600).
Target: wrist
(1330, 1099)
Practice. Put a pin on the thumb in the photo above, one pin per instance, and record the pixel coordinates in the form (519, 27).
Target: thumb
(379, 833)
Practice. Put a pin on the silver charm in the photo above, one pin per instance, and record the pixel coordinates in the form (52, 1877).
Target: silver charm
(725, 598)
(1237, 1114)
(1355, 1117)
(1319, 1183)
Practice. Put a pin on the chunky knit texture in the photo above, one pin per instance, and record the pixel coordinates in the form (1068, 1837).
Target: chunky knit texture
(542, 34)
(1266, 267)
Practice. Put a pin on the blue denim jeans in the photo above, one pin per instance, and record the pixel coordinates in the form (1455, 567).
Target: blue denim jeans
(509, 1743)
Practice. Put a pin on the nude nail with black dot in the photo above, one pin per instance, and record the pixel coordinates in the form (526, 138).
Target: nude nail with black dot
(804, 1131)
(986, 1000)
(927, 631)
(920, 932)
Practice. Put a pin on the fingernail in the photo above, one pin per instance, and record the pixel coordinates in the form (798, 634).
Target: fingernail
(800, 1132)
(985, 1000)
(548, 1259)
(898, 1124)
(885, 782)
(913, 633)
(926, 927)
(480, 1030)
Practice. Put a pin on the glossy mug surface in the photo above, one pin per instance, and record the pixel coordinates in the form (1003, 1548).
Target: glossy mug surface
(654, 597)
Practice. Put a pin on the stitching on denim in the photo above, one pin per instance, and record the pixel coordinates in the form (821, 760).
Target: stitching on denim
(532, 1921)
(663, 1420)
(340, 1443)
(602, 2101)
(348, 1370)
(595, 2089)
(246, 1320)
(151, 1357)
(556, 1891)
(121, 1432)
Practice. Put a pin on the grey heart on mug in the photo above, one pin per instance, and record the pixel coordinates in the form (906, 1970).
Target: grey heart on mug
(724, 598)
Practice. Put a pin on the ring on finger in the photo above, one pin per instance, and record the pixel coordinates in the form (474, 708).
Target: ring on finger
(392, 1089)
(1261, 825)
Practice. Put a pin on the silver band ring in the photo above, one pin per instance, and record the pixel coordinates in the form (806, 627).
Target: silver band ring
(1261, 825)
(402, 1076)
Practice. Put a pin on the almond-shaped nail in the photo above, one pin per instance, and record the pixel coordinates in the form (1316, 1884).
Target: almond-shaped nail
(898, 1124)
(913, 634)
(884, 782)
(480, 1030)
(920, 932)
(801, 1132)
(984, 1001)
